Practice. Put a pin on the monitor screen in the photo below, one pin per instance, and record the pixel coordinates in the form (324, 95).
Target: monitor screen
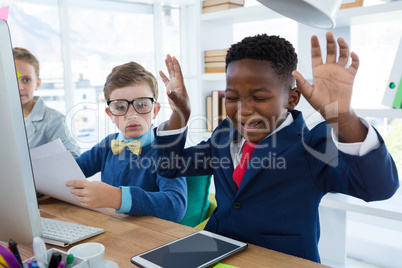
(19, 212)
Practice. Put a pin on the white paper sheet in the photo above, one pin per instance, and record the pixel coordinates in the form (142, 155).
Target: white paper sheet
(48, 149)
(53, 166)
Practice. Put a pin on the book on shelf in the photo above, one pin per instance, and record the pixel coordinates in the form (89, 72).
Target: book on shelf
(217, 64)
(215, 70)
(215, 109)
(221, 58)
(223, 110)
(209, 113)
(398, 97)
(209, 3)
(216, 52)
(219, 7)
(215, 60)
(217, 96)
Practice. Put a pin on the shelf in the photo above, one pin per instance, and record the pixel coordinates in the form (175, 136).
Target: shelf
(214, 77)
(389, 209)
(387, 112)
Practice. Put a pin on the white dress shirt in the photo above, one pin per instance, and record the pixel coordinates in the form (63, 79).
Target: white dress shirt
(236, 147)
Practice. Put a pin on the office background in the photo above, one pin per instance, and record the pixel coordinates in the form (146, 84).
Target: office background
(78, 42)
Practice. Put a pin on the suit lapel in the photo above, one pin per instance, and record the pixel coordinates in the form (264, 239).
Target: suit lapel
(224, 153)
(266, 154)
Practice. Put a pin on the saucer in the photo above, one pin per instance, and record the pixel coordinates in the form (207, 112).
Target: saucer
(110, 264)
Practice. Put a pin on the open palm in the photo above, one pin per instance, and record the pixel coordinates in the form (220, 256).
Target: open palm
(177, 94)
(331, 91)
(174, 84)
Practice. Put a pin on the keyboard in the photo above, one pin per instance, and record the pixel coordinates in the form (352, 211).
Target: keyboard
(62, 233)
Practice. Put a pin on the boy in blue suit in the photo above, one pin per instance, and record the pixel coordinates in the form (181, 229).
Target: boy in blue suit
(127, 159)
(273, 200)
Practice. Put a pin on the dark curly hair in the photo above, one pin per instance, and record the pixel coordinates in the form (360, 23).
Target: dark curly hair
(274, 50)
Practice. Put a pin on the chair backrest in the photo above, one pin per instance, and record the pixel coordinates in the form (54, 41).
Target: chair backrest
(212, 206)
(197, 200)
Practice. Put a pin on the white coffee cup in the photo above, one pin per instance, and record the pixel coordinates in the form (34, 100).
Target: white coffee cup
(93, 252)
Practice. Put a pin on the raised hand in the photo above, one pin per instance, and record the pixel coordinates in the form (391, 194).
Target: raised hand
(96, 194)
(331, 91)
(332, 81)
(177, 94)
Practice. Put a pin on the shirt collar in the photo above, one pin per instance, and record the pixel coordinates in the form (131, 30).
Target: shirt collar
(146, 138)
(288, 121)
(38, 111)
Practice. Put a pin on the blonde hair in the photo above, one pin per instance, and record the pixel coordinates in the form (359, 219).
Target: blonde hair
(128, 74)
(24, 55)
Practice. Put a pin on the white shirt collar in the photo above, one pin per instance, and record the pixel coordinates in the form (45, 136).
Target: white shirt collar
(236, 147)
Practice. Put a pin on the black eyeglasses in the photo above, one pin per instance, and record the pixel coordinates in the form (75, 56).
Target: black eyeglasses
(141, 105)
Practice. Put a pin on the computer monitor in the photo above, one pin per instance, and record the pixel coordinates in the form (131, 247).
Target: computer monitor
(19, 211)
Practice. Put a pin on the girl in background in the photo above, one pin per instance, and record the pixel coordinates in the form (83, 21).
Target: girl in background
(43, 124)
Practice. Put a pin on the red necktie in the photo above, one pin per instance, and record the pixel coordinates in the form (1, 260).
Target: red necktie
(239, 171)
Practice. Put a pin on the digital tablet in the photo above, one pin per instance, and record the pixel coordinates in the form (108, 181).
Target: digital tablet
(200, 249)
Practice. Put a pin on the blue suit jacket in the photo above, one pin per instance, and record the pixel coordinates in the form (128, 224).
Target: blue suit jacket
(289, 172)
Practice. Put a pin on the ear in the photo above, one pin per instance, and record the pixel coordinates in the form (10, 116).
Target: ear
(293, 98)
(38, 83)
(109, 114)
(157, 108)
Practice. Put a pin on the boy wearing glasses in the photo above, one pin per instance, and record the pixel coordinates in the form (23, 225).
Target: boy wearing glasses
(127, 159)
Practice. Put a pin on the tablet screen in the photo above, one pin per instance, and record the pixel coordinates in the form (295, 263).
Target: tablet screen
(197, 250)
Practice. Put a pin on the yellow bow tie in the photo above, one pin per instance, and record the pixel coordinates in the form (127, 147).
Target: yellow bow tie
(118, 146)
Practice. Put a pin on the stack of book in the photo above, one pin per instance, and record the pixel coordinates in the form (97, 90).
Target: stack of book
(215, 61)
(216, 111)
(217, 5)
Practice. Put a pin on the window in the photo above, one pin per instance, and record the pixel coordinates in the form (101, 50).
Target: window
(35, 26)
(97, 36)
(104, 34)
(168, 40)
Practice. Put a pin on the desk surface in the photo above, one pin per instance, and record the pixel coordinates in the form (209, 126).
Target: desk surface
(127, 236)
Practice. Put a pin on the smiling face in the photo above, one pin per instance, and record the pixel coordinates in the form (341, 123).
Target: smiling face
(256, 99)
(133, 124)
(28, 82)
